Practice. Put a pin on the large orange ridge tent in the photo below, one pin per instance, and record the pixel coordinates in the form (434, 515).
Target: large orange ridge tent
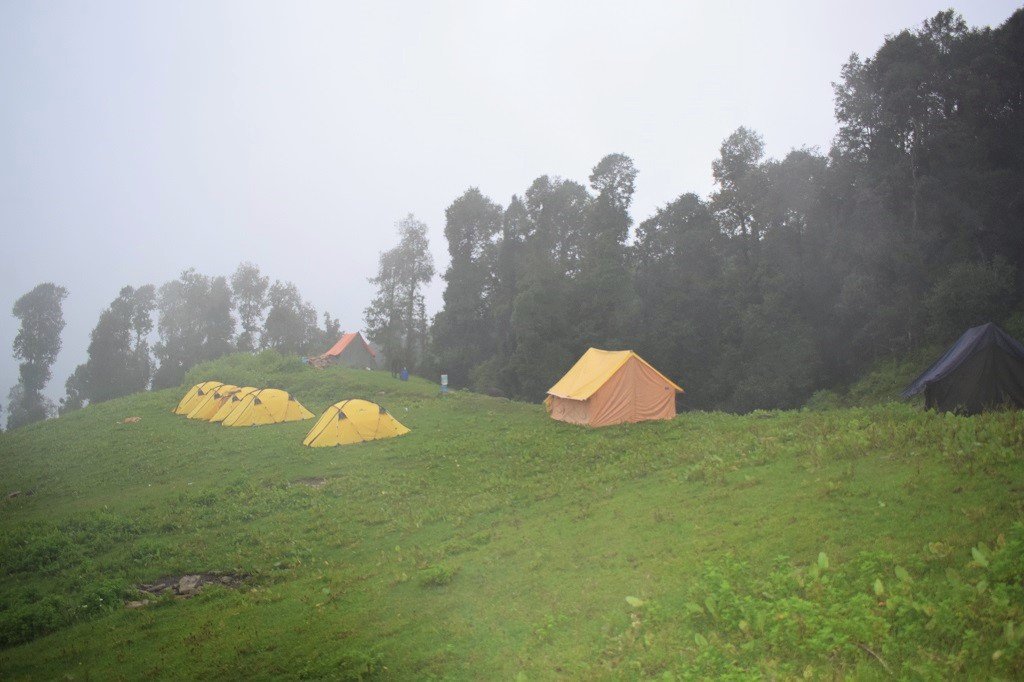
(611, 387)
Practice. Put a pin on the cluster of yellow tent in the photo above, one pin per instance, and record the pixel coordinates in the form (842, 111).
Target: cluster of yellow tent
(350, 421)
(230, 405)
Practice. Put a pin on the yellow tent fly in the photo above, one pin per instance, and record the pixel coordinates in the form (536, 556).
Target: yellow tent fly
(231, 403)
(611, 387)
(353, 421)
(212, 402)
(194, 395)
(267, 406)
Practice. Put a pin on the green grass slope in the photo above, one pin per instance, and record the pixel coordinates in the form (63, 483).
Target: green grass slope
(494, 543)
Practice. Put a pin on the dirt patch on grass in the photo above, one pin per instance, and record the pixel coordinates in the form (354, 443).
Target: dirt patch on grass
(315, 482)
(191, 584)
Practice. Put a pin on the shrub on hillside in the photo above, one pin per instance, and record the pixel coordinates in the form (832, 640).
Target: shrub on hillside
(911, 621)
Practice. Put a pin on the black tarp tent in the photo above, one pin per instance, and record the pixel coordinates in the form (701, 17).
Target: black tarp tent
(984, 369)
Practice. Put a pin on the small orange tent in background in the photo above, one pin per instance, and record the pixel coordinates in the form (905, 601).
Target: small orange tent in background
(351, 350)
(611, 387)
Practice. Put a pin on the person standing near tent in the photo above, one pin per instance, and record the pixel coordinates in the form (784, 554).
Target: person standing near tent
(404, 376)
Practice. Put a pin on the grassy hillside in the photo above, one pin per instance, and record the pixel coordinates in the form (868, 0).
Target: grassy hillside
(494, 543)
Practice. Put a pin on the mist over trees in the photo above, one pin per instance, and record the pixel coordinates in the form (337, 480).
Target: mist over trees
(37, 344)
(119, 360)
(249, 288)
(195, 321)
(396, 319)
(194, 324)
(795, 274)
(290, 326)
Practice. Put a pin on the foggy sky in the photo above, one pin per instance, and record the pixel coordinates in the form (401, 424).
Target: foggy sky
(140, 139)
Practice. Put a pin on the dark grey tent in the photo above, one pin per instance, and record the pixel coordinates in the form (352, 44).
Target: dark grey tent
(984, 369)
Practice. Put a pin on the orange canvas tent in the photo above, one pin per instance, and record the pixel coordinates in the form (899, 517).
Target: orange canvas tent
(351, 350)
(611, 387)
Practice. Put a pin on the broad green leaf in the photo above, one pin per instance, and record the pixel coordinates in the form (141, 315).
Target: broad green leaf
(979, 557)
(902, 574)
(700, 640)
(822, 560)
(634, 602)
(879, 587)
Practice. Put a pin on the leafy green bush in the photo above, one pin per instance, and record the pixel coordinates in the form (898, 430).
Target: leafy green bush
(710, 468)
(824, 400)
(911, 621)
(437, 576)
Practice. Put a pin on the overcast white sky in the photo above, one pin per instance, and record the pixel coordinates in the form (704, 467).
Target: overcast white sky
(139, 139)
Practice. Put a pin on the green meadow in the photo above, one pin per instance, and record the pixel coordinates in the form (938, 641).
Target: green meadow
(494, 543)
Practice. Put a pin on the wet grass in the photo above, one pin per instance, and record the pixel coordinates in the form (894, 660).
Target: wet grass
(492, 542)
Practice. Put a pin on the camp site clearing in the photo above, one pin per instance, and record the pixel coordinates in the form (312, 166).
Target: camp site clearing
(493, 542)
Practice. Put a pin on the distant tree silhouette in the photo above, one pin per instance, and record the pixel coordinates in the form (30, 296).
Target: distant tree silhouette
(195, 324)
(290, 326)
(249, 288)
(119, 361)
(36, 345)
(396, 317)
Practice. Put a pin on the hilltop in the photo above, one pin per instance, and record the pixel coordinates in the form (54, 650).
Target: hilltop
(492, 542)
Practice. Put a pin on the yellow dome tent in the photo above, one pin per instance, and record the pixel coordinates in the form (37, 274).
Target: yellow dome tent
(267, 406)
(353, 421)
(211, 402)
(231, 403)
(195, 395)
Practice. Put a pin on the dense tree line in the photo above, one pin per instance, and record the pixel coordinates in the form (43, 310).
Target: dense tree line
(795, 274)
(196, 319)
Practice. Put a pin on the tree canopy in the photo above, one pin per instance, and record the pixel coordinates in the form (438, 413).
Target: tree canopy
(795, 274)
(37, 344)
